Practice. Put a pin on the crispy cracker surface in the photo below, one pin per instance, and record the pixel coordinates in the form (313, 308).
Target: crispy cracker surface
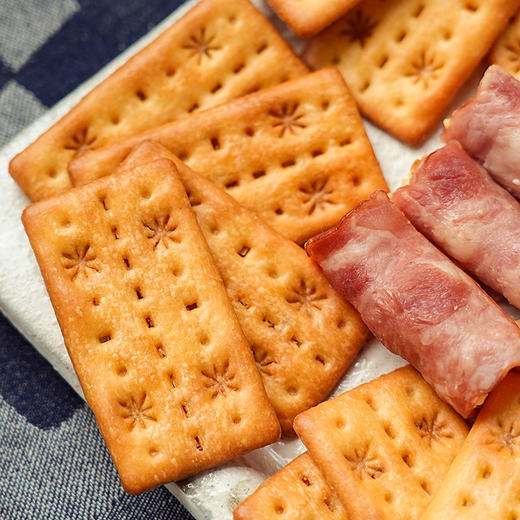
(384, 446)
(308, 17)
(296, 154)
(484, 479)
(506, 50)
(297, 491)
(218, 51)
(405, 59)
(148, 325)
(302, 334)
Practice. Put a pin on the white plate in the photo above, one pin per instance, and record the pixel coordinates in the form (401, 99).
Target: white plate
(23, 298)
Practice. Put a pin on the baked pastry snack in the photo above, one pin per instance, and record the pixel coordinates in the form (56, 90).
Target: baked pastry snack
(148, 325)
(404, 60)
(218, 51)
(385, 446)
(483, 480)
(296, 489)
(308, 17)
(302, 333)
(297, 154)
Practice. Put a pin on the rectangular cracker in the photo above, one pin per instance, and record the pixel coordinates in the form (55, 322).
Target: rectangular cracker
(302, 333)
(218, 51)
(298, 489)
(484, 479)
(404, 60)
(506, 50)
(148, 325)
(308, 17)
(296, 154)
(384, 446)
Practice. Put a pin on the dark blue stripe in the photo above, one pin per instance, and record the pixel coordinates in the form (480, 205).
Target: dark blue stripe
(92, 37)
(30, 384)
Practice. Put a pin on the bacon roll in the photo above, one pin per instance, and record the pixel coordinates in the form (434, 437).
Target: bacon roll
(453, 201)
(418, 303)
(488, 127)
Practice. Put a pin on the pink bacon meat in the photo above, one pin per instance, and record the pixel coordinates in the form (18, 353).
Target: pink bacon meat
(418, 303)
(454, 202)
(488, 127)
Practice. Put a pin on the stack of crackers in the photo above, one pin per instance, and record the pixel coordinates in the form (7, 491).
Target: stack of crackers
(197, 325)
(392, 449)
(169, 209)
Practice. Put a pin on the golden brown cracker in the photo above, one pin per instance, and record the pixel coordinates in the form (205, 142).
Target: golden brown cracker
(484, 479)
(218, 51)
(303, 335)
(296, 154)
(308, 17)
(404, 60)
(297, 491)
(148, 325)
(384, 446)
(506, 50)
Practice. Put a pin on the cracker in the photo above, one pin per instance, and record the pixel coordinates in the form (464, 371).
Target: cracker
(297, 154)
(484, 479)
(298, 489)
(303, 335)
(148, 325)
(384, 446)
(218, 51)
(308, 17)
(506, 50)
(405, 59)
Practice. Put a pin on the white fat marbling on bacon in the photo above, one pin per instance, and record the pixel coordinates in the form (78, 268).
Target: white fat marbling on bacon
(455, 203)
(488, 127)
(418, 303)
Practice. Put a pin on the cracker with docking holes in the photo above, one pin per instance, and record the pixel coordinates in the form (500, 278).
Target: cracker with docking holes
(404, 60)
(302, 334)
(308, 17)
(506, 50)
(297, 154)
(148, 325)
(484, 479)
(218, 51)
(297, 491)
(385, 446)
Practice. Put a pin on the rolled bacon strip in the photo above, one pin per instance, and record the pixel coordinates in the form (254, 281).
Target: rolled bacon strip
(418, 303)
(454, 202)
(488, 127)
